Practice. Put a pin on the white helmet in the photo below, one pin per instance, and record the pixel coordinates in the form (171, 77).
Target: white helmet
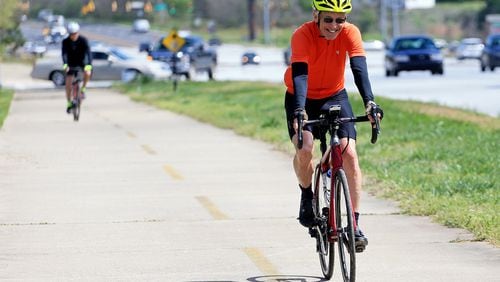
(73, 27)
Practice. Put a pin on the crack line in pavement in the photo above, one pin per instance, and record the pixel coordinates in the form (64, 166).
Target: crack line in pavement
(172, 172)
(262, 263)
(216, 213)
(23, 224)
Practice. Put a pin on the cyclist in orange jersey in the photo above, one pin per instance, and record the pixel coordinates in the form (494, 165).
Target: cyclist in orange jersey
(314, 81)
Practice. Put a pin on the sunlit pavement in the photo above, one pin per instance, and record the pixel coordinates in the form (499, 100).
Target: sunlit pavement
(131, 193)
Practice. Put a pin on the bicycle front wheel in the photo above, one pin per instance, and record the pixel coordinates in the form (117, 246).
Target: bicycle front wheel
(321, 207)
(344, 226)
(76, 100)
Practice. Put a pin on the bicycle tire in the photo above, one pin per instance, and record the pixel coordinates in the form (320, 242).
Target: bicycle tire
(76, 102)
(76, 110)
(345, 227)
(321, 207)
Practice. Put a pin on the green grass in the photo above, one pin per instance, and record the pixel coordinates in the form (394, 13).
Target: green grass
(434, 161)
(5, 100)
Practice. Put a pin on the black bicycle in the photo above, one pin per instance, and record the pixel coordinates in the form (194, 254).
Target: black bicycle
(76, 94)
(332, 205)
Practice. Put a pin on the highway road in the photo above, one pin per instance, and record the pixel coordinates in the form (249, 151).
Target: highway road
(462, 85)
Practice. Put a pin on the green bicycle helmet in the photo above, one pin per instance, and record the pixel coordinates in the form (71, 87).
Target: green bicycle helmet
(337, 6)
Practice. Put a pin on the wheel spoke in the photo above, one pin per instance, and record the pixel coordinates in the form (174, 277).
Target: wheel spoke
(321, 206)
(344, 225)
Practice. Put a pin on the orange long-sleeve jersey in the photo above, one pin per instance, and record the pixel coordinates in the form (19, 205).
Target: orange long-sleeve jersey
(326, 59)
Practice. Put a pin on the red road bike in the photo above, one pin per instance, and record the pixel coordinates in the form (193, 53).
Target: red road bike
(332, 205)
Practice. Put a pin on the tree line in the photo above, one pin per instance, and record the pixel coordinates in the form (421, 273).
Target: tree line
(237, 13)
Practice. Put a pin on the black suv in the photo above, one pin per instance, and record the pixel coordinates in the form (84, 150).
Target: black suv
(490, 56)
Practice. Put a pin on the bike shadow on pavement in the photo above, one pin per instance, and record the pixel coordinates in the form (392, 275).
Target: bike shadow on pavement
(286, 278)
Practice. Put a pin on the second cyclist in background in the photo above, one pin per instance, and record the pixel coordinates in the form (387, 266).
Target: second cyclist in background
(75, 54)
(315, 81)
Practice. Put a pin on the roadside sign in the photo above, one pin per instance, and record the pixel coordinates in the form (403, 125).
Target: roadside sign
(173, 41)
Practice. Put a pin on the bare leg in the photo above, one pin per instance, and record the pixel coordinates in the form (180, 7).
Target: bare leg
(353, 172)
(69, 80)
(86, 78)
(302, 162)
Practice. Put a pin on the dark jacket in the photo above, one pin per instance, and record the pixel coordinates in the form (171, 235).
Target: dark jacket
(76, 53)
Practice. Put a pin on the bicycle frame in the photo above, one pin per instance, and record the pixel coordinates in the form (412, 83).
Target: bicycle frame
(332, 160)
(76, 88)
(332, 156)
(76, 94)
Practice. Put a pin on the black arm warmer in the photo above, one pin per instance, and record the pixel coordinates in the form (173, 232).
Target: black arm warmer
(64, 53)
(360, 72)
(299, 77)
(87, 59)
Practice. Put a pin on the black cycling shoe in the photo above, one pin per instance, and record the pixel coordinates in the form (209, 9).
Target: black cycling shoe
(306, 214)
(360, 241)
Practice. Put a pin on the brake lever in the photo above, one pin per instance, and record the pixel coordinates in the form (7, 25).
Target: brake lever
(376, 129)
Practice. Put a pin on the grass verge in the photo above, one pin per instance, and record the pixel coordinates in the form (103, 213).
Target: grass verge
(5, 100)
(434, 161)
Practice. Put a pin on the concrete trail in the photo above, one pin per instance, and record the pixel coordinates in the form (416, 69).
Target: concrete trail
(132, 193)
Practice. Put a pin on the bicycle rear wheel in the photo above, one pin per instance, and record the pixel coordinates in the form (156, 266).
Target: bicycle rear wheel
(345, 227)
(76, 109)
(321, 207)
(76, 101)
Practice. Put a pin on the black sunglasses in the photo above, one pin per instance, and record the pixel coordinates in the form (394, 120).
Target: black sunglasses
(331, 20)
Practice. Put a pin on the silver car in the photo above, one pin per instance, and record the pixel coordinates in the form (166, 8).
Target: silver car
(109, 63)
(470, 48)
(141, 25)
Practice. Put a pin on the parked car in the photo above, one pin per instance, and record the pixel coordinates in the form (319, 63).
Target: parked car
(411, 53)
(440, 43)
(214, 41)
(469, 48)
(250, 58)
(44, 14)
(55, 34)
(109, 63)
(373, 45)
(141, 25)
(35, 48)
(53, 20)
(490, 56)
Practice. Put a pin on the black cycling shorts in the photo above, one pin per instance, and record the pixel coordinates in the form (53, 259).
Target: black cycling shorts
(314, 108)
(74, 70)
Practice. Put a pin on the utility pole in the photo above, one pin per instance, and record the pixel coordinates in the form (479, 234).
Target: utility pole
(383, 20)
(267, 35)
(251, 20)
(396, 4)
